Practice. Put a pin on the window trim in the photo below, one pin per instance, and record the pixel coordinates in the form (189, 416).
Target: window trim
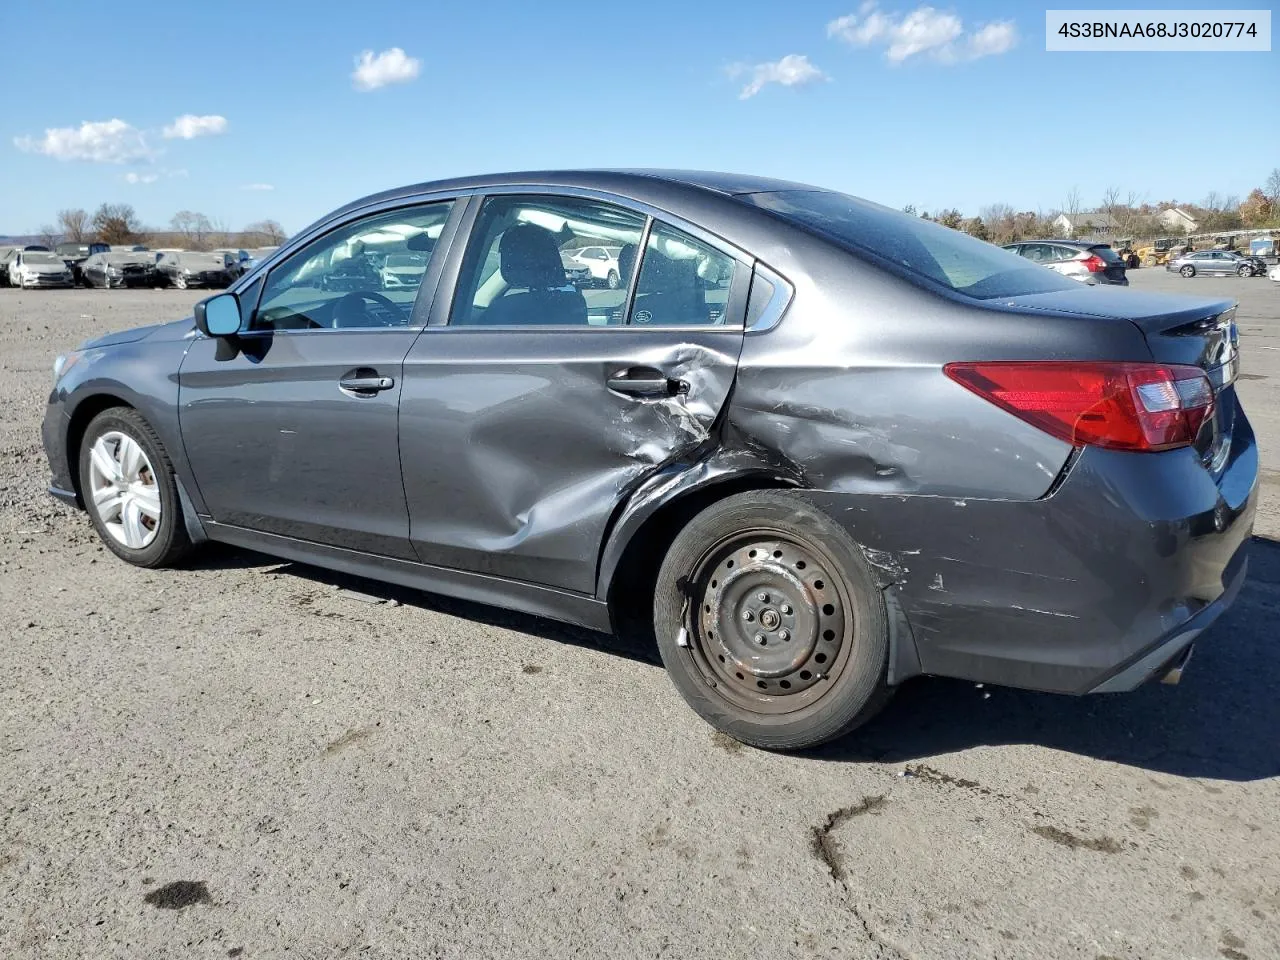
(419, 313)
(447, 292)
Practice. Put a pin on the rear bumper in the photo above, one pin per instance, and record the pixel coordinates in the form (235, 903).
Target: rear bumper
(1092, 588)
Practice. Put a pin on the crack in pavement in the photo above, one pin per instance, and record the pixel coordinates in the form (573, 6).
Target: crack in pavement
(827, 850)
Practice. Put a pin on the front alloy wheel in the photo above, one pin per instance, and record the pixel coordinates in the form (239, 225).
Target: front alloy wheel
(123, 489)
(1245, 270)
(128, 488)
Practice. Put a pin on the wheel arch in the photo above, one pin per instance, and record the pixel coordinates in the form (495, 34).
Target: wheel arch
(640, 537)
(78, 422)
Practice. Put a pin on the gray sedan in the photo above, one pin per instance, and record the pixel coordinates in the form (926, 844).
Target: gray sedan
(1211, 262)
(811, 446)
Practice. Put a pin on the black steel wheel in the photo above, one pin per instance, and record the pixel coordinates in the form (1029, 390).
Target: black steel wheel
(770, 623)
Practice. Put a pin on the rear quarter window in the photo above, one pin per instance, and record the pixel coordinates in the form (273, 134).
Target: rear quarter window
(921, 251)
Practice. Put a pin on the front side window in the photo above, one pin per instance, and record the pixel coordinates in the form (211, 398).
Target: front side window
(683, 281)
(527, 263)
(342, 279)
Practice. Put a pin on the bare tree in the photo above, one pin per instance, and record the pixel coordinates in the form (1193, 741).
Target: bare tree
(1273, 187)
(1000, 222)
(49, 236)
(74, 224)
(1071, 207)
(193, 227)
(264, 233)
(116, 223)
(219, 233)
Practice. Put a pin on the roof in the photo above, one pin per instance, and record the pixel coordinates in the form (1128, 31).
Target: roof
(633, 181)
(1095, 218)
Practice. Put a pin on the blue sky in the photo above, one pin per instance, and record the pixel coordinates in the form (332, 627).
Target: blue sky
(277, 127)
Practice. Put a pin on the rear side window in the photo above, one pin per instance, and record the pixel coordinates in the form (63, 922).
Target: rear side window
(683, 281)
(527, 263)
(921, 251)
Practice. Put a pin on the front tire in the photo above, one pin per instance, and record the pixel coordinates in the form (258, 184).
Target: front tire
(1244, 271)
(129, 490)
(787, 635)
(1188, 271)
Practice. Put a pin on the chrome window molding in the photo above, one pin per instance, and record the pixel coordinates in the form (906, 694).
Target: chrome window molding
(773, 311)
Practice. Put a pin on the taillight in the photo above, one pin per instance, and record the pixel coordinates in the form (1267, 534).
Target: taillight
(1094, 263)
(1124, 406)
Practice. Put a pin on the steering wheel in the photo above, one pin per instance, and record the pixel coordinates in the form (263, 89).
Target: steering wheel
(344, 314)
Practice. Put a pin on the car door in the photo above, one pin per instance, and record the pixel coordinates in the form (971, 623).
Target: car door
(531, 410)
(291, 427)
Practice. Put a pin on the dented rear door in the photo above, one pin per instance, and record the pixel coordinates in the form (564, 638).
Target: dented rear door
(517, 449)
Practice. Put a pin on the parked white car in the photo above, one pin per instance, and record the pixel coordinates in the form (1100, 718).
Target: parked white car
(1274, 273)
(602, 262)
(38, 268)
(403, 270)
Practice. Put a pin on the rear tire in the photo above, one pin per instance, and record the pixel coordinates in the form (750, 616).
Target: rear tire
(180, 282)
(613, 280)
(787, 633)
(1188, 271)
(131, 495)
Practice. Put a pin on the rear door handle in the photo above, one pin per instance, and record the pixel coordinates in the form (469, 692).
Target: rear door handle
(645, 382)
(365, 383)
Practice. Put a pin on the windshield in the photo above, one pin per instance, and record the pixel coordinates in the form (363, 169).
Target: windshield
(405, 260)
(33, 258)
(120, 259)
(916, 248)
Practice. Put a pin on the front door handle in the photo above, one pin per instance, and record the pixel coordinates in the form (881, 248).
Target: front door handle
(365, 383)
(645, 382)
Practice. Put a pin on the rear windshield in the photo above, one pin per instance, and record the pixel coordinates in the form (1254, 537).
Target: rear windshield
(918, 249)
(1107, 254)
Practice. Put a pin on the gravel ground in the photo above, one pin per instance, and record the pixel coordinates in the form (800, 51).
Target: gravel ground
(250, 758)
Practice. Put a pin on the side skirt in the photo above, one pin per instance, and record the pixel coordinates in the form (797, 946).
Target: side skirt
(510, 594)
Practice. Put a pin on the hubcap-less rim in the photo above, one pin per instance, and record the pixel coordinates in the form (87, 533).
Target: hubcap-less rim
(123, 489)
(772, 626)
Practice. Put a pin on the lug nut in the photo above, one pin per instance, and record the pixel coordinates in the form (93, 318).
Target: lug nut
(786, 609)
(760, 639)
(763, 597)
(784, 634)
(748, 616)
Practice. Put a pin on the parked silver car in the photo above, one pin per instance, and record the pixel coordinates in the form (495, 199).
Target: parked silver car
(38, 268)
(1212, 262)
(1080, 260)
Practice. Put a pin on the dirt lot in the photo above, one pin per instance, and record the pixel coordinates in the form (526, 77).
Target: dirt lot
(250, 759)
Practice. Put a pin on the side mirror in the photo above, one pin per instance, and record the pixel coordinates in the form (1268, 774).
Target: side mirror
(218, 316)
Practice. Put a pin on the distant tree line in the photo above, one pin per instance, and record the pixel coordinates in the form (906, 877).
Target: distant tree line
(118, 223)
(1131, 214)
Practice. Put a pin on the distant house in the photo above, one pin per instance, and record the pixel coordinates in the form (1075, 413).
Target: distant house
(1091, 223)
(1177, 220)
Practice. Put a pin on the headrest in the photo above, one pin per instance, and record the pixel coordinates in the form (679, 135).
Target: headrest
(528, 257)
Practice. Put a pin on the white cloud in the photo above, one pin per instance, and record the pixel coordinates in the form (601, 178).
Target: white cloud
(189, 126)
(390, 66)
(793, 70)
(925, 30)
(104, 141)
(258, 186)
(132, 177)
